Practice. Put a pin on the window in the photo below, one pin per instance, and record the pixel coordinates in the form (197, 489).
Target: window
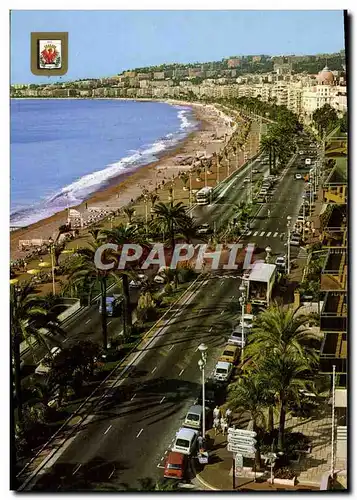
(183, 443)
(193, 416)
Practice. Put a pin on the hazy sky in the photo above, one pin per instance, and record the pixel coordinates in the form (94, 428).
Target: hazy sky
(103, 43)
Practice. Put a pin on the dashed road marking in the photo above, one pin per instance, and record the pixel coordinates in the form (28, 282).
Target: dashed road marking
(181, 372)
(171, 347)
(222, 312)
(133, 397)
(109, 322)
(268, 234)
(154, 369)
(108, 429)
(249, 233)
(162, 399)
(209, 330)
(65, 340)
(76, 469)
(262, 233)
(111, 473)
(160, 466)
(275, 235)
(88, 321)
(139, 433)
(256, 232)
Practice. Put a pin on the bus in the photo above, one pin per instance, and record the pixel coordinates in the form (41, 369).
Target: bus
(204, 196)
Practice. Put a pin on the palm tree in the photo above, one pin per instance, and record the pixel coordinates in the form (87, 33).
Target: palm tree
(250, 393)
(30, 321)
(285, 375)
(83, 270)
(170, 218)
(270, 145)
(281, 330)
(129, 212)
(120, 235)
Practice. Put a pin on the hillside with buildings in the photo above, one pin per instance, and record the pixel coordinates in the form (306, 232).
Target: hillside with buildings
(301, 83)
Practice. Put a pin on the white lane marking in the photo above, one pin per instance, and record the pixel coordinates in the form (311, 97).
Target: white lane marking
(139, 433)
(196, 349)
(275, 235)
(256, 232)
(268, 234)
(76, 469)
(249, 233)
(171, 347)
(162, 458)
(160, 466)
(181, 372)
(88, 321)
(222, 312)
(133, 397)
(222, 283)
(111, 473)
(108, 429)
(209, 330)
(162, 399)
(65, 340)
(199, 312)
(262, 233)
(110, 322)
(154, 369)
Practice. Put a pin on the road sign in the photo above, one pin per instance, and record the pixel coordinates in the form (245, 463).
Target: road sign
(241, 432)
(250, 441)
(235, 448)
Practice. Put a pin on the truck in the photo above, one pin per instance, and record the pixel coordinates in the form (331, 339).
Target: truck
(204, 196)
(260, 282)
(114, 305)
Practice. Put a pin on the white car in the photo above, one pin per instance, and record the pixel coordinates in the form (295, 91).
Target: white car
(281, 262)
(295, 240)
(298, 176)
(204, 229)
(247, 179)
(185, 441)
(223, 371)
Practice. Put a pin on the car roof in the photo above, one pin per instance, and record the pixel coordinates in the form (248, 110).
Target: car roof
(195, 409)
(223, 364)
(230, 347)
(175, 457)
(186, 433)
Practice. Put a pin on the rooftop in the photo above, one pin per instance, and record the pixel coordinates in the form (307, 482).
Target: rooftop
(261, 272)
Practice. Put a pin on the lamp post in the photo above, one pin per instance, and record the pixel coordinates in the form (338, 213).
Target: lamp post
(288, 224)
(268, 252)
(303, 217)
(242, 298)
(50, 241)
(202, 363)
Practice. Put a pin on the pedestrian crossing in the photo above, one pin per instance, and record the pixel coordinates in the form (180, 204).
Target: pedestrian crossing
(267, 234)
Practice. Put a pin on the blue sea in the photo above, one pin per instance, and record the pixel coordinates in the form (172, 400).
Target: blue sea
(62, 151)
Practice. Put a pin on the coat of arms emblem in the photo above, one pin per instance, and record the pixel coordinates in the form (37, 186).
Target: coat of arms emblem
(50, 54)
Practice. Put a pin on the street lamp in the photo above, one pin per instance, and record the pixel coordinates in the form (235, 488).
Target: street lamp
(202, 363)
(268, 252)
(288, 224)
(51, 242)
(303, 217)
(242, 298)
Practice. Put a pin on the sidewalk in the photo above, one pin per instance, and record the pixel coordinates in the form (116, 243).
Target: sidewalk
(217, 475)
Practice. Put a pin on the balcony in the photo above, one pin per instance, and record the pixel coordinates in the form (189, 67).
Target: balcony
(334, 346)
(333, 224)
(334, 271)
(334, 312)
(335, 186)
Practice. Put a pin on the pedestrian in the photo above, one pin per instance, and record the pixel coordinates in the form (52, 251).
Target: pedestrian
(228, 416)
(217, 412)
(216, 425)
(200, 443)
(268, 212)
(224, 425)
(25, 266)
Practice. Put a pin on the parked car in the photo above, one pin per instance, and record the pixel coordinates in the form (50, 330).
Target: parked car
(246, 179)
(230, 354)
(261, 198)
(281, 263)
(223, 371)
(213, 394)
(175, 465)
(255, 171)
(42, 368)
(295, 240)
(204, 229)
(185, 441)
(194, 417)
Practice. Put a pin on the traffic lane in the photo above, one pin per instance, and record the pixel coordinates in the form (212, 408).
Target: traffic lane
(97, 444)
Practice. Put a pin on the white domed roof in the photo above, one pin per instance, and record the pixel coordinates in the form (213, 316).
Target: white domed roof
(325, 76)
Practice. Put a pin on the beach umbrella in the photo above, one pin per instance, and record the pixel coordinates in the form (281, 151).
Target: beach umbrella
(33, 271)
(43, 264)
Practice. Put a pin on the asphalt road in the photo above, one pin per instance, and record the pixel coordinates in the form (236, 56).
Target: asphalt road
(129, 436)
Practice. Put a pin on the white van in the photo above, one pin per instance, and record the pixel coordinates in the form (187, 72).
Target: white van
(194, 417)
(186, 441)
(223, 371)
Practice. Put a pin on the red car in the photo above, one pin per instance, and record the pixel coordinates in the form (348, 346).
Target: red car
(175, 465)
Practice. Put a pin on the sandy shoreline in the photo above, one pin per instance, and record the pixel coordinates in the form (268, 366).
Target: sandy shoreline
(126, 187)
